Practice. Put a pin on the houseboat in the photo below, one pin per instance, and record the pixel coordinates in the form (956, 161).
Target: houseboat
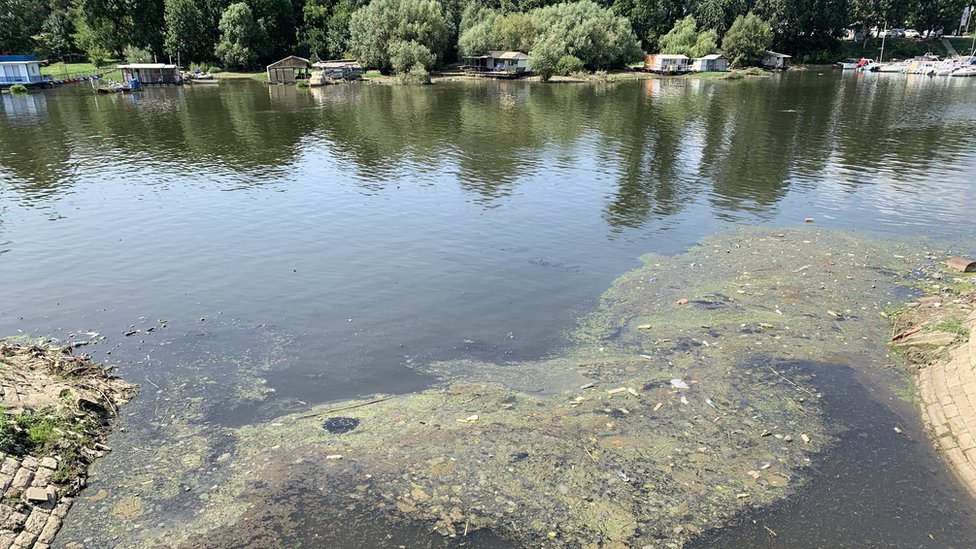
(22, 69)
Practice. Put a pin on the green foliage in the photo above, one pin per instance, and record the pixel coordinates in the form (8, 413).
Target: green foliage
(568, 64)
(747, 40)
(326, 27)
(20, 20)
(188, 32)
(384, 24)
(241, 38)
(681, 39)
(417, 75)
(479, 39)
(405, 56)
(98, 57)
(545, 56)
(54, 39)
(18, 89)
(27, 432)
(685, 39)
(515, 31)
(132, 54)
(594, 34)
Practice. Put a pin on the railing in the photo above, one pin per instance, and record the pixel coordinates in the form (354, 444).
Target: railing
(32, 79)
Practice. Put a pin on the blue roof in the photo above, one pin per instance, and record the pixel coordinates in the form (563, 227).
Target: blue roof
(27, 57)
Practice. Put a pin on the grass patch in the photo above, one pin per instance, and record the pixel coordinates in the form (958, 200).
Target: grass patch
(906, 390)
(951, 326)
(75, 70)
(18, 89)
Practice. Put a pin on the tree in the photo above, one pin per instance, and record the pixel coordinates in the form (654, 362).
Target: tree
(187, 31)
(681, 39)
(407, 55)
(568, 64)
(600, 38)
(747, 40)
(375, 29)
(515, 31)
(54, 40)
(545, 56)
(20, 20)
(241, 38)
(103, 25)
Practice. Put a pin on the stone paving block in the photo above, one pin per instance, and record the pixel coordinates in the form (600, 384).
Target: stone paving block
(54, 524)
(30, 462)
(25, 539)
(22, 479)
(36, 521)
(61, 510)
(15, 521)
(42, 477)
(49, 463)
(5, 481)
(950, 411)
(956, 424)
(956, 456)
(941, 429)
(7, 539)
(10, 466)
(966, 441)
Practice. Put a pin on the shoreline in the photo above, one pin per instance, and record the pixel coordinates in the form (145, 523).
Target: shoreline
(57, 412)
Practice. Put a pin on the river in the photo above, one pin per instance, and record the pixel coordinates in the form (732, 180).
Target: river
(328, 241)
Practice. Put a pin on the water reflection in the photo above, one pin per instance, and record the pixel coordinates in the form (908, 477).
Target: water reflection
(667, 143)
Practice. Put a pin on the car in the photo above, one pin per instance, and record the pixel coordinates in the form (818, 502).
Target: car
(895, 33)
(912, 33)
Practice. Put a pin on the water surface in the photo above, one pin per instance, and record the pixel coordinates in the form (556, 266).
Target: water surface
(343, 235)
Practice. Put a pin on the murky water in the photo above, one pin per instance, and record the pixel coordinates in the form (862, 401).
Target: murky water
(292, 247)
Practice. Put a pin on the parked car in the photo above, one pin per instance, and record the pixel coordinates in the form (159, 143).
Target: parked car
(895, 33)
(912, 33)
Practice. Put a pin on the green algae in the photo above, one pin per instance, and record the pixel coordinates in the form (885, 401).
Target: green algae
(596, 445)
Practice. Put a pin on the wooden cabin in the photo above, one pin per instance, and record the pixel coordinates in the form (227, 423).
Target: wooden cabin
(667, 63)
(773, 60)
(289, 70)
(710, 63)
(148, 74)
(498, 63)
(338, 69)
(21, 69)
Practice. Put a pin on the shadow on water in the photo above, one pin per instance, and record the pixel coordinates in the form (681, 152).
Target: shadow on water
(875, 488)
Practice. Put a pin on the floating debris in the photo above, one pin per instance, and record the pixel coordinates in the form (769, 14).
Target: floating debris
(678, 383)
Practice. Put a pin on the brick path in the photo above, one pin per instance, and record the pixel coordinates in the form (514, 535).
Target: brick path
(948, 400)
(31, 512)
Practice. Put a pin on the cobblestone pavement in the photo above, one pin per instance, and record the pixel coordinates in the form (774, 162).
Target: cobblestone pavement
(31, 510)
(948, 400)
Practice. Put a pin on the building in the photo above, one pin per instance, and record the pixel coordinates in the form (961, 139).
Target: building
(21, 69)
(773, 60)
(710, 63)
(667, 63)
(289, 70)
(338, 69)
(498, 63)
(148, 74)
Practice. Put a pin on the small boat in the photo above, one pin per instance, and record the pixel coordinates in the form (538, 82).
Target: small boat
(894, 67)
(200, 78)
(848, 64)
(115, 87)
(965, 71)
(867, 65)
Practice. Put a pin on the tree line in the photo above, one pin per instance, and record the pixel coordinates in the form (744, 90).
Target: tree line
(401, 35)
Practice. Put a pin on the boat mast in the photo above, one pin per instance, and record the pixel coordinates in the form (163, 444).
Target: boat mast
(884, 34)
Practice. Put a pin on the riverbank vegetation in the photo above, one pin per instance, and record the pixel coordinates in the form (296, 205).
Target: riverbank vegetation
(410, 33)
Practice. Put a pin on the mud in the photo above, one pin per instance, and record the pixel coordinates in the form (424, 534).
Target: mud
(674, 411)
